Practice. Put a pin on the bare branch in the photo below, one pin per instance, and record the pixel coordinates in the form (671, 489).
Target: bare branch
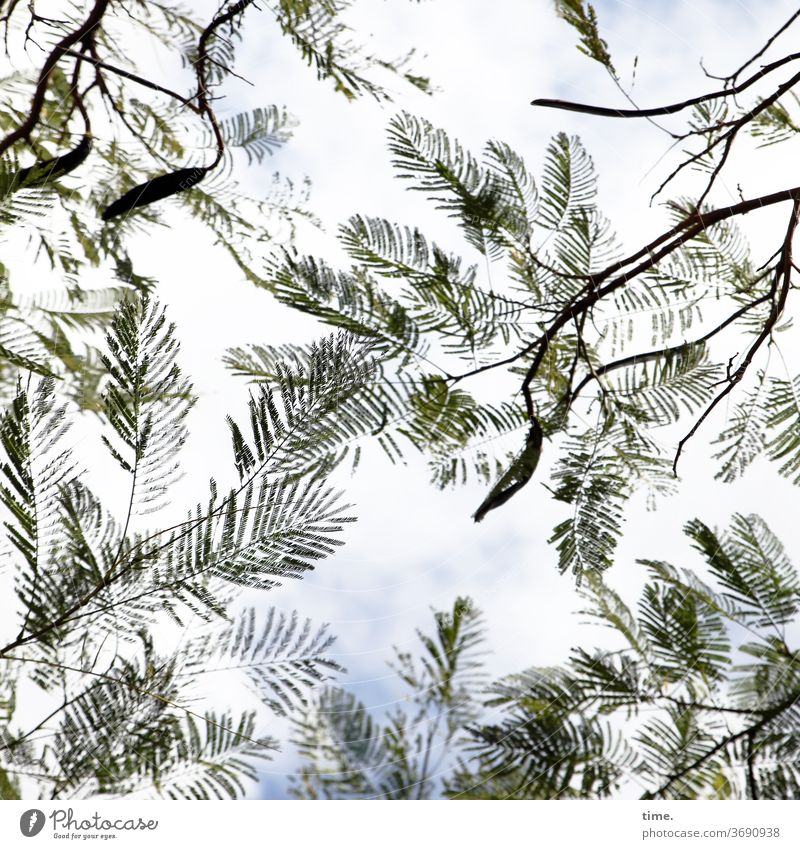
(121, 72)
(648, 356)
(670, 109)
(766, 46)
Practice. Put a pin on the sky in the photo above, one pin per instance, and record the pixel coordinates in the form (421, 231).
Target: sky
(414, 547)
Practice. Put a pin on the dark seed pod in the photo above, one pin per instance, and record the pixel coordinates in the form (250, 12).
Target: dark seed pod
(40, 173)
(156, 189)
(517, 475)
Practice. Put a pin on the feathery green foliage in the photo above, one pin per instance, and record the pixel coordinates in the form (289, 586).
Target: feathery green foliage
(439, 320)
(698, 701)
(130, 135)
(92, 582)
(354, 754)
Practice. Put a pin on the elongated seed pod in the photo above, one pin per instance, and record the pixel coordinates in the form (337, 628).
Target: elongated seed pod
(516, 476)
(158, 188)
(41, 173)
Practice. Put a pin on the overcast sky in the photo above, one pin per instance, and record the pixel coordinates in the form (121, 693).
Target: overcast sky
(414, 547)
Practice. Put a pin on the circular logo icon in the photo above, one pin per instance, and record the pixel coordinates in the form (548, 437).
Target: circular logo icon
(31, 822)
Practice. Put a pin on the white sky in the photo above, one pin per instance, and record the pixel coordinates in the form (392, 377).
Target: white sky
(415, 547)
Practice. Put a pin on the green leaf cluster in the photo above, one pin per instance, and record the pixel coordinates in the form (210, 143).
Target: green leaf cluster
(697, 699)
(95, 584)
(531, 250)
(356, 754)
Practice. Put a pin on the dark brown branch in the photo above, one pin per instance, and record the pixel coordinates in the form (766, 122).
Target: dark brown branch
(671, 109)
(114, 108)
(703, 131)
(78, 101)
(633, 359)
(121, 72)
(766, 47)
(752, 730)
(783, 272)
(579, 325)
(84, 30)
(729, 136)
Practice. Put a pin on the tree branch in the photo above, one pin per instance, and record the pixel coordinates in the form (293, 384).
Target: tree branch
(633, 359)
(670, 109)
(121, 72)
(752, 787)
(85, 29)
(650, 255)
(783, 271)
(750, 731)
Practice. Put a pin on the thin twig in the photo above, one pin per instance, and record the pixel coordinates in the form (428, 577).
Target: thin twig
(766, 47)
(783, 272)
(634, 359)
(121, 72)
